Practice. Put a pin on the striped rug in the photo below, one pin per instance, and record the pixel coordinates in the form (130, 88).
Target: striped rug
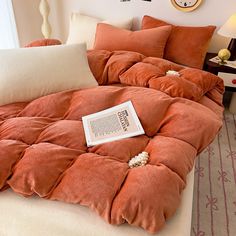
(214, 205)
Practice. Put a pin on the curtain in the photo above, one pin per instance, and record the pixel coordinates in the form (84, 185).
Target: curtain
(8, 31)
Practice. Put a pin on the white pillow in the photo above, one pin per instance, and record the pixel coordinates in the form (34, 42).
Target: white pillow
(83, 28)
(29, 73)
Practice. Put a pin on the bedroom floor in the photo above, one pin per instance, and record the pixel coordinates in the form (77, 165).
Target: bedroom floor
(214, 206)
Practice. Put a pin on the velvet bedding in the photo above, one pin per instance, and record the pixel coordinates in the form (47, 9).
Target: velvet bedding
(43, 149)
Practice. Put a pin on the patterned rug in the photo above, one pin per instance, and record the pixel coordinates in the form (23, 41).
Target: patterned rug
(214, 205)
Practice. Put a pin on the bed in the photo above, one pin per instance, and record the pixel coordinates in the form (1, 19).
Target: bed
(43, 151)
(60, 219)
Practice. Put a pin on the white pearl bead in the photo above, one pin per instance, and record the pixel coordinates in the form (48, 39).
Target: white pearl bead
(140, 160)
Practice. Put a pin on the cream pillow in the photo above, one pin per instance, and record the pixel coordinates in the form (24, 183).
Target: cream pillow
(29, 73)
(83, 28)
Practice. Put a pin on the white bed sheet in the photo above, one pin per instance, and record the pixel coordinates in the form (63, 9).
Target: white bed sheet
(37, 217)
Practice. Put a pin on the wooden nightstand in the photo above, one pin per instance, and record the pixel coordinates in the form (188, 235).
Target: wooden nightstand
(229, 86)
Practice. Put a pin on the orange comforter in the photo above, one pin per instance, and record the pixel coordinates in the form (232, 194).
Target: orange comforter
(43, 149)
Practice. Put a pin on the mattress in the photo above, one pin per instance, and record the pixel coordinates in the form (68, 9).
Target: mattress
(35, 216)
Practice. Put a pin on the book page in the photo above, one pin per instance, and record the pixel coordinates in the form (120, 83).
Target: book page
(112, 124)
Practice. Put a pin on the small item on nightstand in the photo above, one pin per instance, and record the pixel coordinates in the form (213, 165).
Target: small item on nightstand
(229, 79)
(216, 59)
(224, 55)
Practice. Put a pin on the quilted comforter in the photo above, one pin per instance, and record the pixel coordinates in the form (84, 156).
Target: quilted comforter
(43, 149)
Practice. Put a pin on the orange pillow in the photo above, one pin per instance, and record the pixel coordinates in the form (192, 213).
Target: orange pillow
(186, 45)
(43, 42)
(149, 42)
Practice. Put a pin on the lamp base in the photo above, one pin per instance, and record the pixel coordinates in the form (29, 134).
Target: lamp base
(232, 49)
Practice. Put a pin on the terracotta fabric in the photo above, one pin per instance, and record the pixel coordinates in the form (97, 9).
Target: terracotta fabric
(186, 45)
(134, 69)
(149, 42)
(43, 149)
(44, 42)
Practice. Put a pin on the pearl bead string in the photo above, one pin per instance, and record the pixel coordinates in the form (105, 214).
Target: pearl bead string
(140, 160)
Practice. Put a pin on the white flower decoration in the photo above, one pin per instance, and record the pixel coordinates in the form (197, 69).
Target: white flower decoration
(173, 72)
(140, 160)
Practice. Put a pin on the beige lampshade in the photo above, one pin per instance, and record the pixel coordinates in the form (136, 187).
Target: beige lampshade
(229, 28)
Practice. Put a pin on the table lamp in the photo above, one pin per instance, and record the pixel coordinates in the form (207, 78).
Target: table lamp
(229, 30)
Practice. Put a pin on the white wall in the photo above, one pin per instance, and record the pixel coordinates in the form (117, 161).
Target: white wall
(29, 20)
(213, 12)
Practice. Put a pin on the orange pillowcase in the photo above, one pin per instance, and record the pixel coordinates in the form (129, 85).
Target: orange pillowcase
(150, 42)
(43, 42)
(186, 45)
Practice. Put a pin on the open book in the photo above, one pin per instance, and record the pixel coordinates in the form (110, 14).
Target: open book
(112, 124)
